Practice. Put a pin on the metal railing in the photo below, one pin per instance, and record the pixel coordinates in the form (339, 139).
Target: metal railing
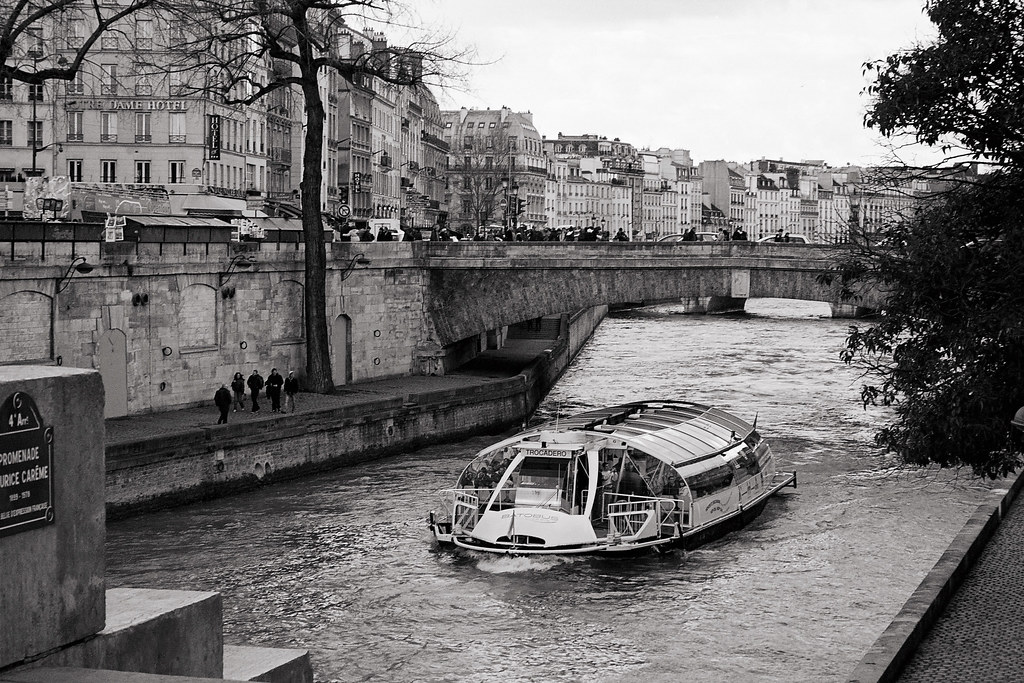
(630, 517)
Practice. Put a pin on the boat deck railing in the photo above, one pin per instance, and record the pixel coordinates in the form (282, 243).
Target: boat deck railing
(628, 515)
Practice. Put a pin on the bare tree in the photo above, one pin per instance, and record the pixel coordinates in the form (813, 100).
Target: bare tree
(482, 176)
(22, 36)
(252, 48)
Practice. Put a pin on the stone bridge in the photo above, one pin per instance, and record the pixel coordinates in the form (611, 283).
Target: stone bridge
(472, 287)
(167, 316)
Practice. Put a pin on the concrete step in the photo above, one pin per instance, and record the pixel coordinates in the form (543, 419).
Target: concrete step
(170, 632)
(71, 674)
(267, 664)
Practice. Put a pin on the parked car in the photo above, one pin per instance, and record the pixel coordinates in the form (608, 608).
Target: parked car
(792, 239)
(701, 237)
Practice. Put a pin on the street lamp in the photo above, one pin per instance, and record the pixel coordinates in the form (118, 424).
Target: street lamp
(78, 265)
(357, 260)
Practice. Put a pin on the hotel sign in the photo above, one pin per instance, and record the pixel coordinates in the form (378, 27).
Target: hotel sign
(213, 138)
(26, 467)
(134, 105)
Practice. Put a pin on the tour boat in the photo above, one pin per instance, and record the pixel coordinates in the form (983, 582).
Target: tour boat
(650, 475)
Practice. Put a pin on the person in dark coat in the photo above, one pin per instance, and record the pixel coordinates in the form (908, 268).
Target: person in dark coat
(222, 399)
(255, 383)
(238, 386)
(274, 384)
(291, 387)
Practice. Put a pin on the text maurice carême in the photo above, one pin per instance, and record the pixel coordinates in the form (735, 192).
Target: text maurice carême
(24, 476)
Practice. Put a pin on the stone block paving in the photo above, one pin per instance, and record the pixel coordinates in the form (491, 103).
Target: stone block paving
(980, 636)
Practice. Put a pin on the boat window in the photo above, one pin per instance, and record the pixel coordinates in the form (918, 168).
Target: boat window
(744, 461)
(543, 482)
(632, 480)
(546, 473)
(706, 483)
(664, 480)
(487, 469)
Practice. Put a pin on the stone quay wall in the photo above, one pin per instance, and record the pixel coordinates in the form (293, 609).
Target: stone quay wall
(164, 471)
(166, 323)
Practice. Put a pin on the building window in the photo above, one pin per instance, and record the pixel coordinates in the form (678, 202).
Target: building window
(108, 82)
(76, 86)
(176, 172)
(75, 126)
(35, 133)
(108, 171)
(143, 86)
(142, 130)
(34, 48)
(6, 133)
(176, 128)
(108, 126)
(142, 171)
(35, 92)
(143, 34)
(75, 170)
(76, 33)
(6, 88)
(176, 85)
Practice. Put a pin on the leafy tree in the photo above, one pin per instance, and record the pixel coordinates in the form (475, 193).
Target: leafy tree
(965, 89)
(947, 351)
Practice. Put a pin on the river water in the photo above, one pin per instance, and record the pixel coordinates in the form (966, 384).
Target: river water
(342, 564)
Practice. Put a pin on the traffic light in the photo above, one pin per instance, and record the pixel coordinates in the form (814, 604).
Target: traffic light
(520, 207)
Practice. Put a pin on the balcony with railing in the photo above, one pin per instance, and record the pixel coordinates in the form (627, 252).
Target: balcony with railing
(143, 138)
(75, 137)
(435, 142)
(280, 155)
(177, 139)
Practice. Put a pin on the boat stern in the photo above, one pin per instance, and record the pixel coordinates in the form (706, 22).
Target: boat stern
(530, 529)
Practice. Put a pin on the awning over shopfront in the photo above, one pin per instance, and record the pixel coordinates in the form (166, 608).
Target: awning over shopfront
(212, 205)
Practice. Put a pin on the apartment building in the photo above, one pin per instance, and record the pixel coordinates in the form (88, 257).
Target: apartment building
(497, 169)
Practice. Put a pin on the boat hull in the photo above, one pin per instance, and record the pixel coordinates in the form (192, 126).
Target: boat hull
(688, 540)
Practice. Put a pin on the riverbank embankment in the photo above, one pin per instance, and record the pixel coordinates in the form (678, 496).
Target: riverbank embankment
(175, 457)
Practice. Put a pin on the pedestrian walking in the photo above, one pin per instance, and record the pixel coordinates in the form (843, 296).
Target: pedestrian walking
(238, 387)
(274, 383)
(291, 387)
(222, 399)
(255, 383)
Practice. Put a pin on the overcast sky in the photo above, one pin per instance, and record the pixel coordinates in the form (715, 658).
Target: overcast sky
(725, 79)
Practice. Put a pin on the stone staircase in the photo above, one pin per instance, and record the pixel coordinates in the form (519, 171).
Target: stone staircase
(541, 328)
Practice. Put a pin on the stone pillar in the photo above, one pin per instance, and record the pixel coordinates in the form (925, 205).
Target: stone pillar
(52, 521)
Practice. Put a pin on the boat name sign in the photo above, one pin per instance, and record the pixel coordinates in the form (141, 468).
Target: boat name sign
(532, 516)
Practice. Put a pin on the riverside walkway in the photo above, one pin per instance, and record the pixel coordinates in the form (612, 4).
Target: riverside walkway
(965, 621)
(489, 365)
